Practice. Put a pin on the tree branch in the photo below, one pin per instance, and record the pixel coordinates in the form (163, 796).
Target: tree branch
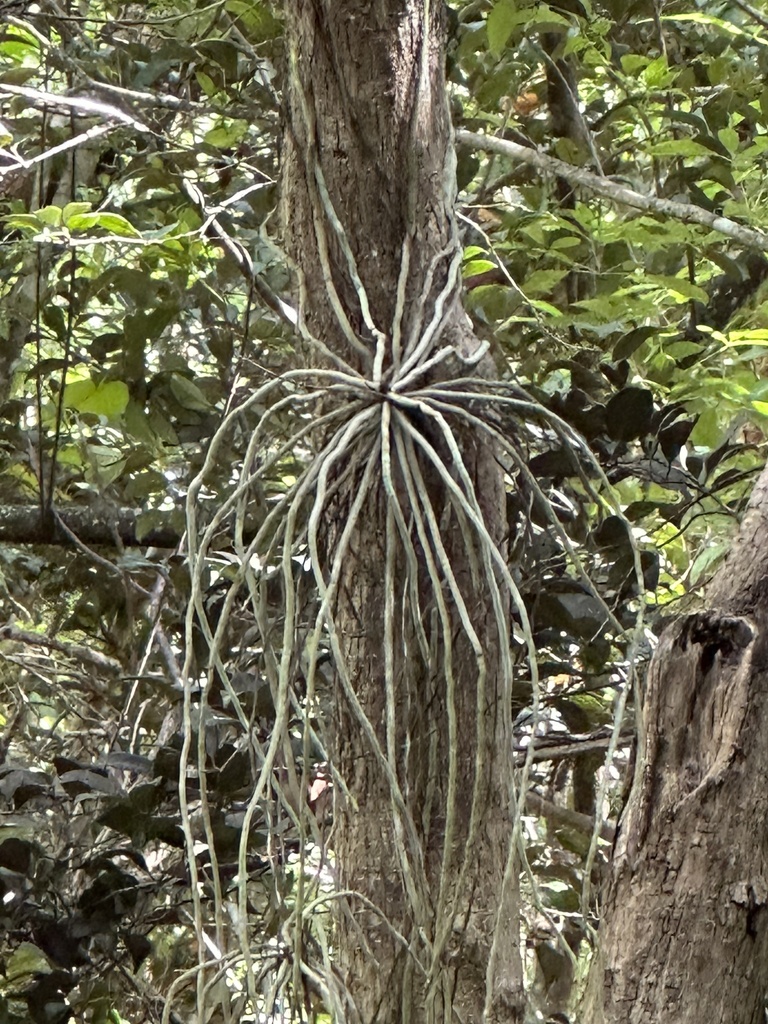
(610, 189)
(570, 746)
(754, 14)
(566, 818)
(22, 524)
(85, 654)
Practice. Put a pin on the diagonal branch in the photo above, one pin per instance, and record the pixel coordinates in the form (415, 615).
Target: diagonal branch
(754, 14)
(610, 189)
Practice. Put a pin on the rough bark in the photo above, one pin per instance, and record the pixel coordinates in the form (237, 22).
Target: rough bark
(368, 142)
(684, 935)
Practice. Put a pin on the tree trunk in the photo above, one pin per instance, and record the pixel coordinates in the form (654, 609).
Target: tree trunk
(421, 731)
(684, 935)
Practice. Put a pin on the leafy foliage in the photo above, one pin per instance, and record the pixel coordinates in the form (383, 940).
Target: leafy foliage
(144, 296)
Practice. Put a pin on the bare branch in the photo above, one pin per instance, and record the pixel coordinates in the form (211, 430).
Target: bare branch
(79, 104)
(166, 101)
(573, 746)
(238, 252)
(566, 818)
(22, 524)
(754, 14)
(24, 163)
(85, 654)
(610, 189)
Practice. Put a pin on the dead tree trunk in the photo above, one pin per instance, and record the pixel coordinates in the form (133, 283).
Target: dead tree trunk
(684, 935)
(421, 729)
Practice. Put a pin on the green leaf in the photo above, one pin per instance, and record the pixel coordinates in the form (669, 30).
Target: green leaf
(117, 225)
(24, 963)
(18, 43)
(708, 429)
(74, 210)
(224, 136)
(107, 399)
(631, 63)
(501, 21)
(678, 147)
(83, 221)
(758, 337)
(477, 267)
(137, 423)
(729, 138)
(658, 74)
(50, 216)
(53, 317)
(679, 286)
(223, 53)
(188, 394)
(261, 24)
(631, 342)
(206, 83)
(546, 307)
(541, 282)
(23, 220)
(543, 17)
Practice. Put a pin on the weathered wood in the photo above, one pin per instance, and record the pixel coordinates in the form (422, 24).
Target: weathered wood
(684, 935)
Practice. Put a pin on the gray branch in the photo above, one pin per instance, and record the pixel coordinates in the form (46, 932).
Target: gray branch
(24, 524)
(617, 193)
